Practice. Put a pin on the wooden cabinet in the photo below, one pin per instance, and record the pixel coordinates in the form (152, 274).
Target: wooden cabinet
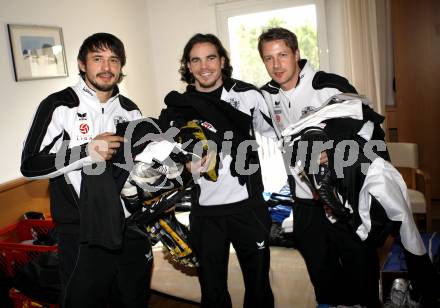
(416, 45)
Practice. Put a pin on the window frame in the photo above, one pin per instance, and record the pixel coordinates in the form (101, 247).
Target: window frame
(232, 9)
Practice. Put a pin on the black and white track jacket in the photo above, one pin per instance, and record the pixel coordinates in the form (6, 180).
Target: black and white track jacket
(248, 100)
(313, 89)
(56, 144)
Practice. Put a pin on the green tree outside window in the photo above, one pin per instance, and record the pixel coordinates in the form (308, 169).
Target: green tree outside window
(252, 68)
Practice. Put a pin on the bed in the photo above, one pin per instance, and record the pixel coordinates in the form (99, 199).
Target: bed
(288, 275)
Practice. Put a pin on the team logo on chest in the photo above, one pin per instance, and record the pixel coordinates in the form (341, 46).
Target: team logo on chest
(277, 111)
(84, 132)
(234, 102)
(307, 110)
(82, 116)
(84, 128)
(119, 119)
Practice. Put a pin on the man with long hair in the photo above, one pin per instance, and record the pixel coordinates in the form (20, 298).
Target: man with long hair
(227, 204)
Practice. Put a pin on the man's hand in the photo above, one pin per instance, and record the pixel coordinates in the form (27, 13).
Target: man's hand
(199, 166)
(323, 158)
(104, 146)
(328, 210)
(171, 209)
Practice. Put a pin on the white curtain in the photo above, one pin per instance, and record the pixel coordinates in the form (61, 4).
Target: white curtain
(369, 62)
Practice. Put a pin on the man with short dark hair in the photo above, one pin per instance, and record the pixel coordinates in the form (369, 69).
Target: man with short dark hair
(73, 129)
(343, 269)
(227, 203)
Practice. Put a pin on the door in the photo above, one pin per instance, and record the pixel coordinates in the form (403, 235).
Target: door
(416, 44)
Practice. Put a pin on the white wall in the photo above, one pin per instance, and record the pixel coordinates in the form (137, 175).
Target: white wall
(172, 23)
(78, 19)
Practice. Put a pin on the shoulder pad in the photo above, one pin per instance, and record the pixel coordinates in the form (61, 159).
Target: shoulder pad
(270, 88)
(327, 80)
(66, 97)
(239, 86)
(127, 103)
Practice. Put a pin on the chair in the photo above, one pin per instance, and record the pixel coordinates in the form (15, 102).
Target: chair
(405, 157)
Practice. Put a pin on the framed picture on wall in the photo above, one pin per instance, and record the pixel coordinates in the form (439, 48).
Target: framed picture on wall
(37, 52)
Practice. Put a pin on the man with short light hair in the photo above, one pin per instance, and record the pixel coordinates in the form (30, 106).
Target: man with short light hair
(343, 269)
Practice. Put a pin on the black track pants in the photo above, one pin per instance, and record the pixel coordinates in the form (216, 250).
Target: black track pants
(249, 234)
(106, 278)
(343, 270)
